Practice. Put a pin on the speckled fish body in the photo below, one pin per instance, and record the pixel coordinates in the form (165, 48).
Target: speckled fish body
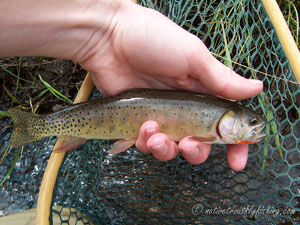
(178, 113)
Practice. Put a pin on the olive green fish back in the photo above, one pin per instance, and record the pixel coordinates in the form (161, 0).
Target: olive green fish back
(94, 187)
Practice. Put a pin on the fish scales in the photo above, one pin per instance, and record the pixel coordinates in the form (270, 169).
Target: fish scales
(178, 113)
(121, 117)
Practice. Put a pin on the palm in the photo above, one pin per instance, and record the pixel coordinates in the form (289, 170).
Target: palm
(142, 59)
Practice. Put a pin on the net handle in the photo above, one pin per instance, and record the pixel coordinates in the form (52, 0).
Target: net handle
(284, 34)
(54, 163)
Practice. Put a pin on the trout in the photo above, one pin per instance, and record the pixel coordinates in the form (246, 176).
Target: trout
(179, 114)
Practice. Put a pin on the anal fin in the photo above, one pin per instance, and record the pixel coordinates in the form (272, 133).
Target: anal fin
(122, 145)
(67, 143)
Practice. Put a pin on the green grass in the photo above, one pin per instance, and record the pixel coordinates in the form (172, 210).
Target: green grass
(19, 151)
(3, 114)
(290, 10)
(55, 92)
(39, 87)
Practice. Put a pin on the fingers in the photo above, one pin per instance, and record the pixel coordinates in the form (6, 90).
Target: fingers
(146, 131)
(194, 151)
(220, 79)
(237, 156)
(161, 147)
(150, 140)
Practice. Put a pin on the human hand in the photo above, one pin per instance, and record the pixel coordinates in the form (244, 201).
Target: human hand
(146, 49)
(126, 46)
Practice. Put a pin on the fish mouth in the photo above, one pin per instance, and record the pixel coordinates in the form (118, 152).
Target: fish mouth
(259, 135)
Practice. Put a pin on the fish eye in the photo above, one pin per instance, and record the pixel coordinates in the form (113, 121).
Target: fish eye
(253, 121)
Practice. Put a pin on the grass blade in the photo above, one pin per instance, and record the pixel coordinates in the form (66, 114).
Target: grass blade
(12, 166)
(228, 61)
(272, 126)
(14, 75)
(55, 92)
(4, 114)
(13, 98)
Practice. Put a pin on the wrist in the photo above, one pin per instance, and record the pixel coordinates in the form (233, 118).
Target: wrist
(62, 29)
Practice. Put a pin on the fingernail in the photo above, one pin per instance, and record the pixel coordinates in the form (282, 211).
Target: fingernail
(255, 82)
(161, 149)
(150, 130)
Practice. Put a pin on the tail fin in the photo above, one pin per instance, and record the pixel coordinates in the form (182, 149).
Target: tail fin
(25, 130)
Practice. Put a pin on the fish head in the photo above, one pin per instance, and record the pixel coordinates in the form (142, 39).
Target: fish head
(241, 127)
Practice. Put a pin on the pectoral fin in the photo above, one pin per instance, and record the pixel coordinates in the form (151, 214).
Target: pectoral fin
(67, 143)
(203, 139)
(122, 145)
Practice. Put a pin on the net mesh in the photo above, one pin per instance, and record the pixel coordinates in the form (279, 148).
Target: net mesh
(133, 188)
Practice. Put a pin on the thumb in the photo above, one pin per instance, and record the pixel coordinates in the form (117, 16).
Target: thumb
(220, 79)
